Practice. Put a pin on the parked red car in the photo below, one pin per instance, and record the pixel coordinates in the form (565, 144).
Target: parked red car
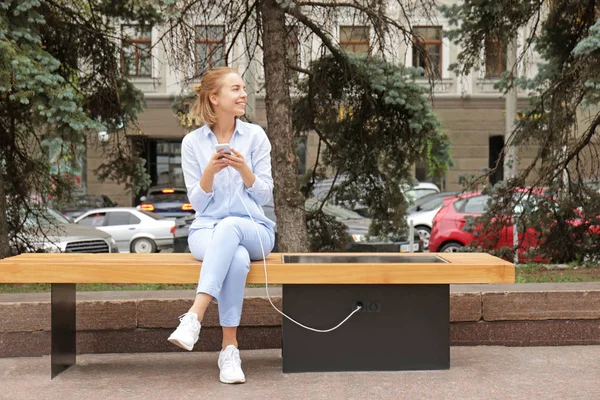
(447, 234)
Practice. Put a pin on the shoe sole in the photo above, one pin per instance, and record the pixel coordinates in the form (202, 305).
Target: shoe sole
(232, 382)
(179, 344)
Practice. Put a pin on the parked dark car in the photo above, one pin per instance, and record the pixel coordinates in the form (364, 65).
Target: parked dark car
(81, 204)
(168, 201)
(358, 227)
(183, 227)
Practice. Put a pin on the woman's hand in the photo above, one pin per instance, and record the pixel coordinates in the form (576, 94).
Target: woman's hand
(236, 161)
(216, 163)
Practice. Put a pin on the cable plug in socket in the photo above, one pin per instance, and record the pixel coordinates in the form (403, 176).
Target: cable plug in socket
(368, 306)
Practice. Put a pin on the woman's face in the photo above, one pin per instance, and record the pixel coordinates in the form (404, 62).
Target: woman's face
(231, 97)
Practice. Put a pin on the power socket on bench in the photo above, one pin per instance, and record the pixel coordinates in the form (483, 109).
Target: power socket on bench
(368, 306)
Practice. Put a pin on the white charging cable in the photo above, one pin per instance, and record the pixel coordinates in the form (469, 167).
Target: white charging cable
(358, 307)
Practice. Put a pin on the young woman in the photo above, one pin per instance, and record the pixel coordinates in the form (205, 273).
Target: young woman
(224, 188)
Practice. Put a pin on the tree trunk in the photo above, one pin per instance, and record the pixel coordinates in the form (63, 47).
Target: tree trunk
(4, 245)
(289, 202)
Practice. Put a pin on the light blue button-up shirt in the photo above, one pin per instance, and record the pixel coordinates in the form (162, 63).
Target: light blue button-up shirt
(196, 149)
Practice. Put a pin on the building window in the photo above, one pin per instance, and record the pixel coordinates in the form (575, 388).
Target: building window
(136, 56)
(496, 145)
(292, 49)
(422, 174)
(495, 58)
(163, 161)
(210, 47)
(355, 39)
(168, 163)
(427, 50)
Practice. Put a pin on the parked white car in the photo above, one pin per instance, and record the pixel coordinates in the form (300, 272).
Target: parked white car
(422, 212)
(135, 231)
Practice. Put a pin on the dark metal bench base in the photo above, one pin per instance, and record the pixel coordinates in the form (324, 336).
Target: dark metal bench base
(401, 327)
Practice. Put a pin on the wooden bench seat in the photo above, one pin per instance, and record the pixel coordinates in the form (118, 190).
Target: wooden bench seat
(405, 304)
(462, 268)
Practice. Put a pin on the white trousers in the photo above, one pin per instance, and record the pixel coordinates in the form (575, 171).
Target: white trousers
(226, 251)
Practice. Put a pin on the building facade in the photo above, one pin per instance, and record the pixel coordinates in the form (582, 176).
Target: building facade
(470, 109)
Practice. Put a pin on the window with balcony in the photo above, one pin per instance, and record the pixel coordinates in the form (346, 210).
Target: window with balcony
(495, 58)
(136, 56)
(355, 39)
(210, 47)
(427, 51)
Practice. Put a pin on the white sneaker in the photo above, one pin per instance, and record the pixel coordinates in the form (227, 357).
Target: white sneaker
(186, 334)
(230, 365)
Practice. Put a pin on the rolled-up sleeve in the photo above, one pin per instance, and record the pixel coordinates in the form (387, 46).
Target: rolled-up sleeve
(262, 189)
(192, 174)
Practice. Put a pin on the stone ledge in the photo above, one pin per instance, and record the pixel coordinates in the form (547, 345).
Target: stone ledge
(141, 321)
(156, 310)
(25, 317)
(526, 333)
(465, 307)
(573, 305)
(157, 314)
(505, 333)
(162, 313)
(34, 344)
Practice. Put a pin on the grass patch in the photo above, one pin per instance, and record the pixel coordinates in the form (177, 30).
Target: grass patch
(538, 273)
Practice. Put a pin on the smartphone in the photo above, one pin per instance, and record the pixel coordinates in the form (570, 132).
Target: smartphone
(223, 146)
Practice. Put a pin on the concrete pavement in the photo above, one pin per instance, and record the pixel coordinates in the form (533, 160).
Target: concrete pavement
(483, 372)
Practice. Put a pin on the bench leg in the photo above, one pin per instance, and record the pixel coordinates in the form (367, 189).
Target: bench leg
(63, 327)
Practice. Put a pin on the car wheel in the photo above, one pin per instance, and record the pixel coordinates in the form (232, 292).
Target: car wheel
(452, 247)
(424, 233)
(143, 245)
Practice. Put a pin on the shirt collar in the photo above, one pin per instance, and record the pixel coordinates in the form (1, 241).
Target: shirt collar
(238, 128)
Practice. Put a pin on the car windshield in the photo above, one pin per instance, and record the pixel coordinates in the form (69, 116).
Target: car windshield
(44, 217)
(58, 216)
(332, 210)
(415, 193)
(430, 202)
(85, 202)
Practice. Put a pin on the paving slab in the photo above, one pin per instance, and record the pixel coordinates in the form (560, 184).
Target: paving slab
(483, 372)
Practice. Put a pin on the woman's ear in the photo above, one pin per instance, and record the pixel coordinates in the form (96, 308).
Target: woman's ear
(213, 99)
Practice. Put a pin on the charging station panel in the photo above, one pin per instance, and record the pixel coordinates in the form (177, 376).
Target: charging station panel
(400, 327)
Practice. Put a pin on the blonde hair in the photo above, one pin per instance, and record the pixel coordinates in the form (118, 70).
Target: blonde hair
(209, 84)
